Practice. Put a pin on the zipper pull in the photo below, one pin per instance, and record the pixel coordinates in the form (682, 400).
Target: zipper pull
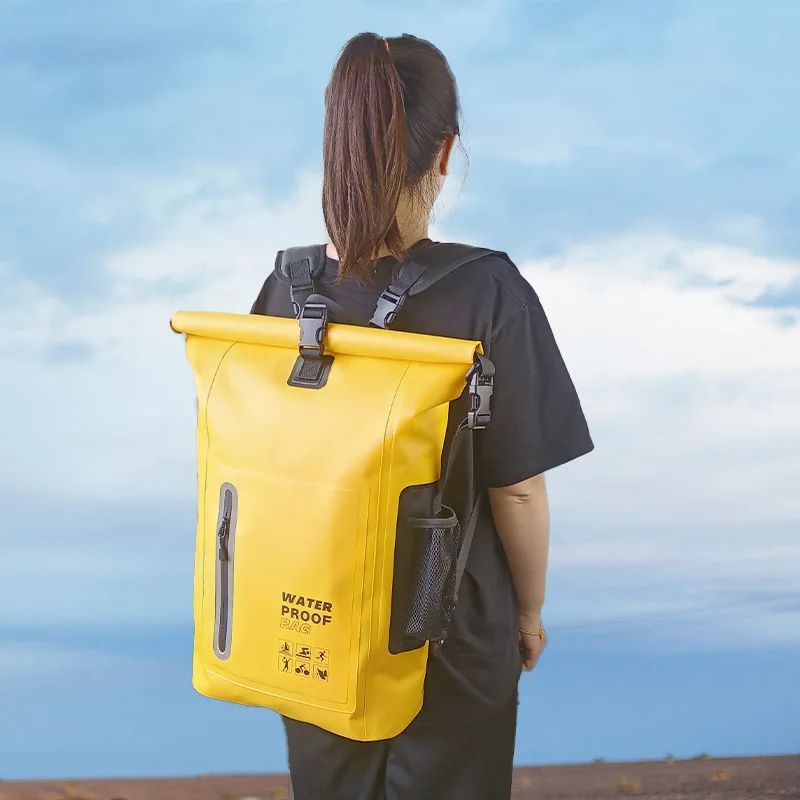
(224, 535)
(224, 532)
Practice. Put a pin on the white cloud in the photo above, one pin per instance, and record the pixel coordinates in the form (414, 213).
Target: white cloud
(692, 395)
(117, 426)
(223, 240)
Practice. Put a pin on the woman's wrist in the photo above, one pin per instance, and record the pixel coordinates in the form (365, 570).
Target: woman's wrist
(531, 616)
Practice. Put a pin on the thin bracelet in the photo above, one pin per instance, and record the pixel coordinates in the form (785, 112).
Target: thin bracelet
(540, 634)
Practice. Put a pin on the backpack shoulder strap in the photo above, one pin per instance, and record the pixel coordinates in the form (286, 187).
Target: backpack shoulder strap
(427, 266)
(439, 260)
(300, 267)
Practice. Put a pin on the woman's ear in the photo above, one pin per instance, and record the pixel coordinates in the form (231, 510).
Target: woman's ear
(444, 158)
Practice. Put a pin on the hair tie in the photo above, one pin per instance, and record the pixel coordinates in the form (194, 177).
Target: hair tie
(386, 42)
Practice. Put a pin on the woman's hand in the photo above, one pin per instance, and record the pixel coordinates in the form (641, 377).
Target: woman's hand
(532, 640)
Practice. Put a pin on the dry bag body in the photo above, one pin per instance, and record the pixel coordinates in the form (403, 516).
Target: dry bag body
(324, 566)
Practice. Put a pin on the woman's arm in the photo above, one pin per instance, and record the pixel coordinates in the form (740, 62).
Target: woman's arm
(522, 520)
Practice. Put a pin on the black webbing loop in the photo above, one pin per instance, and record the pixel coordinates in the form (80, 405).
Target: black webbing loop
(302, 284)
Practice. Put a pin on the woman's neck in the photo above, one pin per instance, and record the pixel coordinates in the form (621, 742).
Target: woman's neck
(412, 219)
(409, 237)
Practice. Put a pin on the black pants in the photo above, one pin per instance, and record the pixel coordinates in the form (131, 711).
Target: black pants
(472, 762)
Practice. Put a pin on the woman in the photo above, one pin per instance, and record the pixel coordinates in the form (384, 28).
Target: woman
(391, 123)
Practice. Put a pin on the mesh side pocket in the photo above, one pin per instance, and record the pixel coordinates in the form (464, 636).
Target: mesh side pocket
(436, 548)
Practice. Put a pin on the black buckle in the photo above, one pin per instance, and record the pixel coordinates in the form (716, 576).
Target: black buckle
(389, 304)
(312, 366)
(313, 324)
(481, 385)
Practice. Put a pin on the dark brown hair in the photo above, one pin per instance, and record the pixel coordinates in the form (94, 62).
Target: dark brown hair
(389, 107)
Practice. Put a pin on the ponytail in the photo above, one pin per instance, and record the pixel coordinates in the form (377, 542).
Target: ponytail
(364, 155)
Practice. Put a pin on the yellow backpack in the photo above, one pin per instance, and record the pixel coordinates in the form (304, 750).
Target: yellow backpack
(326, 563)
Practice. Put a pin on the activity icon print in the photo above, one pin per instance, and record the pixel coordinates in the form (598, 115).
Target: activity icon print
(305, 661)
(285, 647)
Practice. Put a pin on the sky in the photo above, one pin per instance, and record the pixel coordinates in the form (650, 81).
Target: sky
(640, 163)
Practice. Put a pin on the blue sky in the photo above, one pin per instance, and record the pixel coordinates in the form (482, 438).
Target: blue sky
(640, 161)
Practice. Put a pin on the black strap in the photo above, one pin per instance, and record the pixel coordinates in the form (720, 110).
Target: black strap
(463, 440)
(301, 267)
(391, 300)
(456, 445)
(426, 265)
(464, 437)
(442, 258)
(480, 381)
(468, 534)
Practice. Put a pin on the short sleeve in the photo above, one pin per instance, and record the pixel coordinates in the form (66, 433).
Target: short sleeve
(537, 420)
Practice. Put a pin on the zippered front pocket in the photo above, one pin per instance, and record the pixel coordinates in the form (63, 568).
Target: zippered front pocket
(226, 537)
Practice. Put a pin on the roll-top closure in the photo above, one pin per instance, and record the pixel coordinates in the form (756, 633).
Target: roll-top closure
(340, 339)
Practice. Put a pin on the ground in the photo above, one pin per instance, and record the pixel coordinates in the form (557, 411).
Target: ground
(725, 779)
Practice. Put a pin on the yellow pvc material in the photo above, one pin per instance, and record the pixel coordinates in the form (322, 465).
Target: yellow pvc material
(318, 474)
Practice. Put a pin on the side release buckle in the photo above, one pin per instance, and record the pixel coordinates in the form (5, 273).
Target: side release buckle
(389, 305)
(480, 380)
(313, 326)
(312, 366)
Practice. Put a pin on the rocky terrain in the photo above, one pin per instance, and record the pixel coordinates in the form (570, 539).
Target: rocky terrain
(773, 777)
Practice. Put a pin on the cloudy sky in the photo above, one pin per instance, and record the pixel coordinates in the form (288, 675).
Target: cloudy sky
(640, 162)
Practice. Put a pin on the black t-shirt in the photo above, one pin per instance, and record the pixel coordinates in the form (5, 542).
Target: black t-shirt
(537, 423)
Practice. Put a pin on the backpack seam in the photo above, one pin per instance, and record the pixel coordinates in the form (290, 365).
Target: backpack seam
(205, 471)
(381, 481)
